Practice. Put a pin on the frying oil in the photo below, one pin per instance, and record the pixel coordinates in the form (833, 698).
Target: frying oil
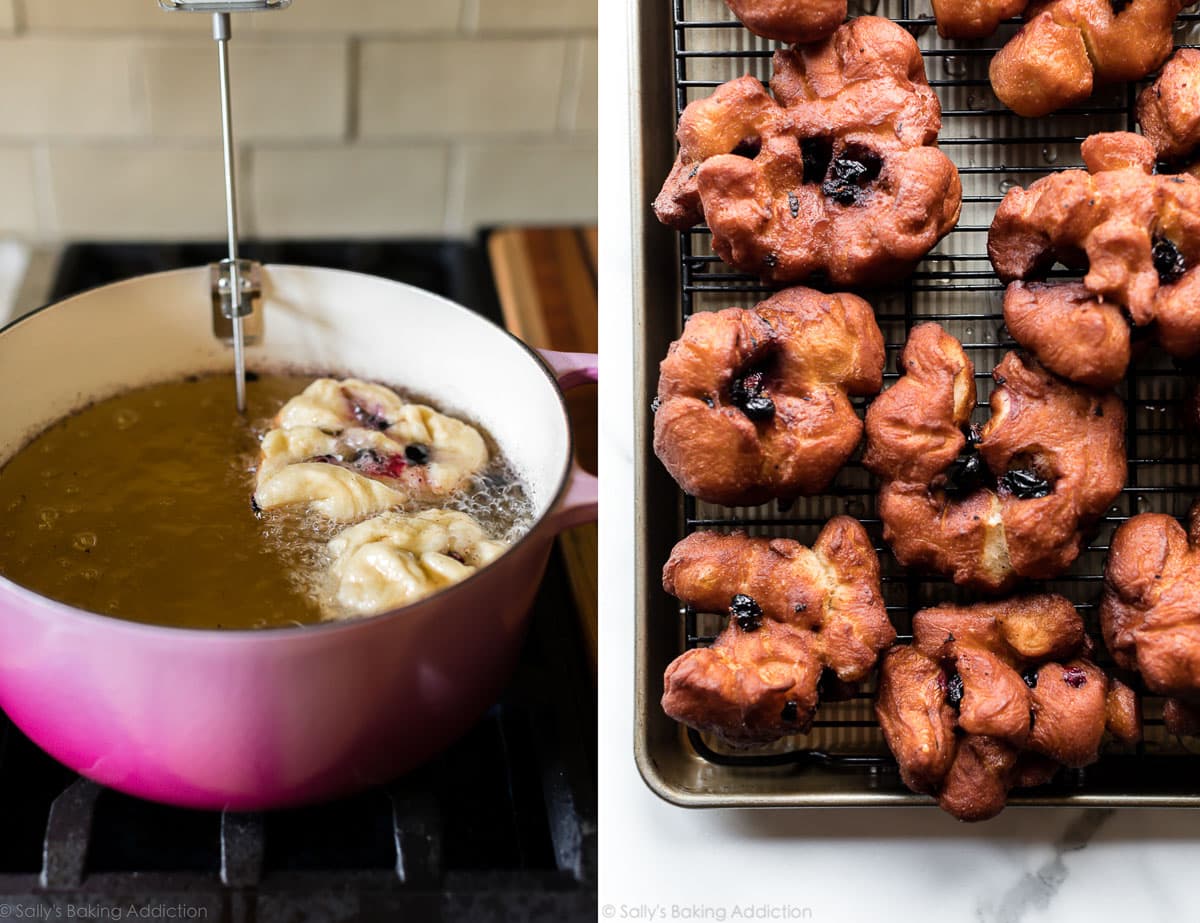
(139, 507)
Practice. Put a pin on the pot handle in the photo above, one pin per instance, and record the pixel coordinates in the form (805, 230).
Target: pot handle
(579, 502)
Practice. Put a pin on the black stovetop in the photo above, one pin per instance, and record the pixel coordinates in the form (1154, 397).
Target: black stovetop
(502, 826)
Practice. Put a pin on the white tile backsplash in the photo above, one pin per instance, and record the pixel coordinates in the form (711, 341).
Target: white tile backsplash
(361, 17)
(115, 191)
(18, 191)
(353, 117)
(320, 16)
(580, 111)
(452, 87)
(527, 183)
(533, 15)
(349, 191)
(103, 16)
(70, 87)
(281, 90)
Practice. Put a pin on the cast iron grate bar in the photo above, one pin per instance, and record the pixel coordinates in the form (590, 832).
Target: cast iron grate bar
(242, 849)
(948, 287)
(417, 830)
(68, 831)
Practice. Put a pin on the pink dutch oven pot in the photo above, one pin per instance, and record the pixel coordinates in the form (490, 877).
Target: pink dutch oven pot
(248, 720)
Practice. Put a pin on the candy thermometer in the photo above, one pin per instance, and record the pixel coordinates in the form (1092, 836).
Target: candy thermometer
(234, 304)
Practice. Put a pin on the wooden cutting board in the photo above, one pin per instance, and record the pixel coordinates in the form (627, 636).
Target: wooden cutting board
(546, 278)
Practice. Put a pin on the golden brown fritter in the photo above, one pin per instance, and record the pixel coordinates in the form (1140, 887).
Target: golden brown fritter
(1070, 331)
(797, 22)
(973, 18)
(1169, 109)
(837, 174)
(752, 404)
(1066, 47)
(1138, 235)
(794, 613)
(1013, 502)
(995, 696)
(1150, 613)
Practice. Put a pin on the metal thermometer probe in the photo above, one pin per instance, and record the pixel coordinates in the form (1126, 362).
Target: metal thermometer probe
(221, 32)
(235, 308)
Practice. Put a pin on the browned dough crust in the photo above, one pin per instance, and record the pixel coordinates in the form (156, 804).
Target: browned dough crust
(1169, 110)
(1150, 612)
(1138, 235)
(813, 610)
(797, 22)
(1070, 331)
(973, 18)
(995, 696)
(800, 354)
(837, 174)
(1067, 47)
(989, 531)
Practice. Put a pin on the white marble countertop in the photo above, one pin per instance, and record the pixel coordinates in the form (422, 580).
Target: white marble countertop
(660, 862)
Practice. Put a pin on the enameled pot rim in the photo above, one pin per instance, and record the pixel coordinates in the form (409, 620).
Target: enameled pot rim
(282, 632)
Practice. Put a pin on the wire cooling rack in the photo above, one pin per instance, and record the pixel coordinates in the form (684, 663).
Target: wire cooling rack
(994, 150)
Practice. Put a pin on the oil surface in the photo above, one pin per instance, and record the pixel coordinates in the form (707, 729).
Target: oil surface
(139, 507)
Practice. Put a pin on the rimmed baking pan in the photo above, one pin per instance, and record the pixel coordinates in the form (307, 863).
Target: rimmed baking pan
(684, 48)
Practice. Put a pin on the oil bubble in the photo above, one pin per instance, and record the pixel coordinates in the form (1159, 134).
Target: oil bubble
(84, 541)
